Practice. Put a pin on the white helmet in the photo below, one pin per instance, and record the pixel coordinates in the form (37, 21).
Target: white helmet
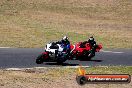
(91, 38)
(65, 38)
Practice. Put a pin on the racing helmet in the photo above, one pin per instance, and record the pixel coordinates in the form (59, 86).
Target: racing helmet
(65, 38)
(91, 38)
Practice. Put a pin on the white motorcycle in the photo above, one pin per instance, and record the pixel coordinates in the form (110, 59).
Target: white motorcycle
(53, 53)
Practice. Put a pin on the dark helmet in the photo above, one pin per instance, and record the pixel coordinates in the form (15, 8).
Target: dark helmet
(91, 38)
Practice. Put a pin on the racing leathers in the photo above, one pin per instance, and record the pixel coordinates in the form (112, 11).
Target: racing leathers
(65, 44)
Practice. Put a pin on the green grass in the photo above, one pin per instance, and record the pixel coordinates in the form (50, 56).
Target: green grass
(26, 23)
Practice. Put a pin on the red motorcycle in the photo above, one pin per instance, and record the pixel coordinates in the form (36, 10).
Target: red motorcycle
(82, 51)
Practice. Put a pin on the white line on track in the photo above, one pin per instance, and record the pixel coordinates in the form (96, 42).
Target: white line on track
(19, 69)
(110, 51)
(5, 47)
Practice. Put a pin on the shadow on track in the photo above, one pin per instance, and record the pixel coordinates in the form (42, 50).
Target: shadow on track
(63, 64)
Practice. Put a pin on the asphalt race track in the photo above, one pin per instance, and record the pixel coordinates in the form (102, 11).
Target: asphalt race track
(25, 58)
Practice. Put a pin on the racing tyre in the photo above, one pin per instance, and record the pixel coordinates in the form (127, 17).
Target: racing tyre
(39, 59)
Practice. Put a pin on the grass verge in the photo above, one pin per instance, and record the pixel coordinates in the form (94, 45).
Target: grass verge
(57, 77)
(26, 23)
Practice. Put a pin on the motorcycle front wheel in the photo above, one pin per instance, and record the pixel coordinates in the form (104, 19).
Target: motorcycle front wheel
(40, 59)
